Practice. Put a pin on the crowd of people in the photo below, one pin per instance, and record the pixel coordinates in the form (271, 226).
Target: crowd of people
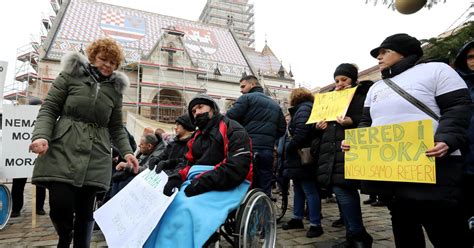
(81, 120)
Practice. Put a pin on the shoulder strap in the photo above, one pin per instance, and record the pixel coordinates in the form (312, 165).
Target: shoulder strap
(411, 99)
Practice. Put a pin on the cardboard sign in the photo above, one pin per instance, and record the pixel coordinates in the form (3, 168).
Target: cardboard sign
(18, 124)
(391, 153)
(328, 106)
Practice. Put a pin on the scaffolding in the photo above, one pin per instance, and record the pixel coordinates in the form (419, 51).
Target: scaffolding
(164, 79)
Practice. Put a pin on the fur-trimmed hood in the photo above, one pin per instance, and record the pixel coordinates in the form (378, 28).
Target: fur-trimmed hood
(75, 64)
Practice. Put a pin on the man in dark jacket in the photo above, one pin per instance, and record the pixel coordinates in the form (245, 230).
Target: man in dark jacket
(220, 142)
(464, 65)
(265, 123)
(175, 151)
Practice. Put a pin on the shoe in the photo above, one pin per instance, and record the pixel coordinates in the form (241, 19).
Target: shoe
(331, 199)
(15, 214)
(314, 231)
(40, 212)
(293, 224)
(338, 223)
(378, 203)
(369, 201)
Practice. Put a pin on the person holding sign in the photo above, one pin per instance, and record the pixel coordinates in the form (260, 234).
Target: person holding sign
(82, 110)
(436, 207)
(330, 172)
(214, 179)
(303, 176)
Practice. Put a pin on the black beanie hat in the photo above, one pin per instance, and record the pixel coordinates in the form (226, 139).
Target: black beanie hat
(403, 44)
(348, 70)
(185, 121)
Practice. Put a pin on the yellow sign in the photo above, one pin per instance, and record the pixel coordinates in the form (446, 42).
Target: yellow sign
(327, 106)
(391, 153)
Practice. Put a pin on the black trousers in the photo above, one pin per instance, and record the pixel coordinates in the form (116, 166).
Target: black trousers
(18, 188)
(445, 225)
(72, 210)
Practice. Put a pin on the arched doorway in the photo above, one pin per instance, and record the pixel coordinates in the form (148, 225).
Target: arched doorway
(170, 105)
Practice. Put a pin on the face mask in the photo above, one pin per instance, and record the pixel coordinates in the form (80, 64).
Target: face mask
(202, 120)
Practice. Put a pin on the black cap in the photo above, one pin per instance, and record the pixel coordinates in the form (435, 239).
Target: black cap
(348, 70)
(185, 121)
(403, 44)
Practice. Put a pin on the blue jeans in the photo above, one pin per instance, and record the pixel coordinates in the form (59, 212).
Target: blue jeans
(306, 189)
(264, 169)
(349, 203)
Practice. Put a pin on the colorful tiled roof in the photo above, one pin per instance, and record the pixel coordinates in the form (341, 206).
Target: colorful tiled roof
(264, 62)
(138, 31)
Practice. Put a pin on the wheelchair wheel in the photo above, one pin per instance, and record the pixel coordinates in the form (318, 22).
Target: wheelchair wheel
(6, 205)
(280, 199)
(256, 221)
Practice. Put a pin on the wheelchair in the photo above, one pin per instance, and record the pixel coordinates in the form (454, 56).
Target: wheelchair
(6, 205)
(253, 224)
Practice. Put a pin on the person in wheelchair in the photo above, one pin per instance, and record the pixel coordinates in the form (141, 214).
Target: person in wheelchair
(176, 149)
(212, 183)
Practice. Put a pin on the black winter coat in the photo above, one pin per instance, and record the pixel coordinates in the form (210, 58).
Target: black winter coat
(208, 148)
(261, 116)
(175, 153)
(300, 137)
(331, 158)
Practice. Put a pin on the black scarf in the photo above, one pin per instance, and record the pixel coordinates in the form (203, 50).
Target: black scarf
(403, 65)
(95, 73)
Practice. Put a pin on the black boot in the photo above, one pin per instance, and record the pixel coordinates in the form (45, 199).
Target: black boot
(83, 233)
(293, 224)
(64, 231)
(362, 240)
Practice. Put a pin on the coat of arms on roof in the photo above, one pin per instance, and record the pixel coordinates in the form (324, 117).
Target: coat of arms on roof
(200, 40)
(121, 27)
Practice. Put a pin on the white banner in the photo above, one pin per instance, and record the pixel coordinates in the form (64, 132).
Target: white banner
(18, 124)
(130, 216)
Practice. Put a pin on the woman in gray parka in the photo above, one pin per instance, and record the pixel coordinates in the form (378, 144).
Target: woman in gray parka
(82, 110)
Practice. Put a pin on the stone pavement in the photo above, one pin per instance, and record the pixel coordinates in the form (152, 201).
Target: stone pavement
(19, 232)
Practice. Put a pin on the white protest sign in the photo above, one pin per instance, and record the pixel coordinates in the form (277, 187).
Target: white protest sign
(130, 216)
(18, 124)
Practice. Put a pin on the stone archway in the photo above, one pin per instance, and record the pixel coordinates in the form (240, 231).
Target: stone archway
(171, 104)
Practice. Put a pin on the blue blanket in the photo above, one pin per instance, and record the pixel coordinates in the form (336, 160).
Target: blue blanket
(190, 221)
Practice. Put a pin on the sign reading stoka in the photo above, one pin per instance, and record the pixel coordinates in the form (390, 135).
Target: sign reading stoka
(18, 124)
(328, 106)
(391, 153)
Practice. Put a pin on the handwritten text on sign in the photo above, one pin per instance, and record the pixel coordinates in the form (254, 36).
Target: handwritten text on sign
(391, 153)
(328, 106)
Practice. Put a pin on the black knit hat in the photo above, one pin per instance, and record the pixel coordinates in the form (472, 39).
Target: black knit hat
(348, 70)
(35, 101)
(403, 44)
(185, 121)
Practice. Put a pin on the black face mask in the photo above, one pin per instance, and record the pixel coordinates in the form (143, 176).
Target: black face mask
(202, 120)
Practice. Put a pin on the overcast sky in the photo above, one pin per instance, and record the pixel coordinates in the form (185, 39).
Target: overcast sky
(313, 36)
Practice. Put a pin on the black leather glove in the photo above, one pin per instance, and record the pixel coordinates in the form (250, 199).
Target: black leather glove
(173, 182)
(153, 162)
(163, 164)
(191, 189)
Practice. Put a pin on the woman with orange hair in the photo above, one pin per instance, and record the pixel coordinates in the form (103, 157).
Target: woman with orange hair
(303, 176)
(72, 137)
